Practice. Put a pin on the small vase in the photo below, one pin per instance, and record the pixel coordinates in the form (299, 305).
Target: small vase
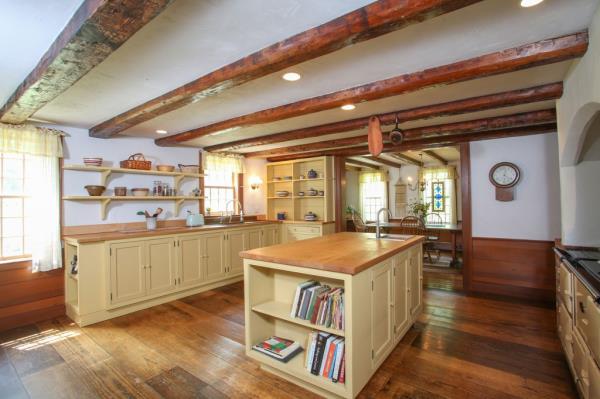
(151, 223)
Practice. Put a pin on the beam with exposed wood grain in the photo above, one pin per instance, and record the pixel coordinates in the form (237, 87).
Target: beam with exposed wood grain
(352, 161)
(546, 92)
(385, 161)
(407, 159)
(509, 60)
(96, 30)
(425, 143)
(436, 156)
(478, 125)
(373, 20)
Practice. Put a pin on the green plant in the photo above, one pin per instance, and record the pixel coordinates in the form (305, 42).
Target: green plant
(350, 210)
(419, 209)
(141, 213)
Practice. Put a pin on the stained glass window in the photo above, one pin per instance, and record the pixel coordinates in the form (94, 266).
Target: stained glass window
(438, 197)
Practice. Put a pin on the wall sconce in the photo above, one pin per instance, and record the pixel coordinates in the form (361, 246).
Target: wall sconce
(255, 182)
(421, 185)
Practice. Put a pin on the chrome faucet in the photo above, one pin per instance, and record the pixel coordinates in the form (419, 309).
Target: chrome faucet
(377, 227)
(233, 211)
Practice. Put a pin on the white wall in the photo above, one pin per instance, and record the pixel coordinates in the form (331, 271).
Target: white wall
(579, 179)
(255, 202)
(352, 195)
(534, 214)
(78, 144)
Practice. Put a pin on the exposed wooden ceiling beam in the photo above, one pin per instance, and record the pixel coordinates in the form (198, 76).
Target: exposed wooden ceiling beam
(425, 143)
(498, 122)
(353, 168)
(362, 164)
(436, 156)
(407, 159)
(509, 60)
(97, 29)
(545, 92)
(385, 161)
(365, 23)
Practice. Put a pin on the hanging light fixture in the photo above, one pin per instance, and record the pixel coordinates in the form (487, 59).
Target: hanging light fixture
(422, 182)
(396, 135)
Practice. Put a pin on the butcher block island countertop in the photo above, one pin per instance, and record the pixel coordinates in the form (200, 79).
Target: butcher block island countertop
(348, 253)
(380, 300)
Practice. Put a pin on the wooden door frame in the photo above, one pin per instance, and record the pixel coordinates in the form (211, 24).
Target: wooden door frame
(467, 233)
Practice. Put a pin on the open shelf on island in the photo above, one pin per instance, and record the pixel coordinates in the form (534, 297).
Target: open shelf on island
(281, 311)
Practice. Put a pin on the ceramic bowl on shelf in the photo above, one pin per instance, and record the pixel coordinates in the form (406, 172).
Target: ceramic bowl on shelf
(302, 177)
(140, 192)
(92, 161)
(282, 193)
(121, 191)
(310, 217)
(95, 191)
(277, 179)
(189, 168)
(288, 177)
(165, 168)
(321, 193)
(312, 192)
(301, 194)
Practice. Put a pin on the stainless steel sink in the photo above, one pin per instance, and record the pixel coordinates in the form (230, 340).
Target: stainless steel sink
(393, 237)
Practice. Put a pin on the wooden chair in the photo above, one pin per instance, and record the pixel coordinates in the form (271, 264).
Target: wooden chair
(412, 225)
(359, 224)
(433, 237)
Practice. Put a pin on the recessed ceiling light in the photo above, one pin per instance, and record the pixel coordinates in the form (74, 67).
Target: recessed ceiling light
(530, 3)
(348, 107)
(161, 131)
(291, 76)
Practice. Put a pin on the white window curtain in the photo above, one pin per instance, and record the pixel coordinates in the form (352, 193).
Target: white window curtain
(43, 149)
(446, 175)
(373, 194)
(222, 163)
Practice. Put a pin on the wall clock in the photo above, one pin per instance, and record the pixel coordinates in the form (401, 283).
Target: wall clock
(505, 176)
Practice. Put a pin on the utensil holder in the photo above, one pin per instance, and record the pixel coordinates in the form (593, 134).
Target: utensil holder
(151, 223)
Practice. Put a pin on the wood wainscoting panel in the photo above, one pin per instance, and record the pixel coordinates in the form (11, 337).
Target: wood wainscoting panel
(516, 268)
(29, 297)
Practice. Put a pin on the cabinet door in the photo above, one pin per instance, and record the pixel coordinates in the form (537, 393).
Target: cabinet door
(565, 284)
(415, 273)
(270, 236)
(191, 258)
(381, 314)
(254, 238)
(161, 265)
(594, 386)
(127, 272)
(213, 248)
(401, 310)
(236, 243)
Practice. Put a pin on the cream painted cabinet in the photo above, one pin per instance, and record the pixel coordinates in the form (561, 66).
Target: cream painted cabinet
(594, 386)
(415, 273)
(401, 305)
(161, 265)
(214, 255)
(565, 287)
(254, 239)
(235, 243)
(191, 260)
(271, 236)
(587, 319)
(381, 314)
(127, 272)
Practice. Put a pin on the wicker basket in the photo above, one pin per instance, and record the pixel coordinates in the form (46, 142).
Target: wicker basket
(136, 161)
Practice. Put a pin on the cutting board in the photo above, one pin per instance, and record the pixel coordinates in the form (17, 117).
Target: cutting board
(375, 137)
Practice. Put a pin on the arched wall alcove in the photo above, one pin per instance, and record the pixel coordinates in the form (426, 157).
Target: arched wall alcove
(585, 121)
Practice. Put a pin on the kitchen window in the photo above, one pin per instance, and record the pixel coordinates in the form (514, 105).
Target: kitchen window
(219, 189)
(440, 194)
(15, 205)
(373, 194)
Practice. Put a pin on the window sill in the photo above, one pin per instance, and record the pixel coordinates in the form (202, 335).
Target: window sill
(20, 263)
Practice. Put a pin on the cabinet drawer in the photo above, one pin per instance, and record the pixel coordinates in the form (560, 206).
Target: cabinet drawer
(565, 330)
(587, 319)
(299, 229)
(565, 287)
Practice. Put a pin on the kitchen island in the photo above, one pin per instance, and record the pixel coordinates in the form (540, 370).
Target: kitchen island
(382, 285)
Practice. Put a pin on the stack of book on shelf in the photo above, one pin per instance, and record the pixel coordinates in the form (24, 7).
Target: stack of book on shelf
(320, 304)
(326, 356)
(278, 348)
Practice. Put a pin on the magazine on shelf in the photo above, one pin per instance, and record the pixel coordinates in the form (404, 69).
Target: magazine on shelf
(278, 348)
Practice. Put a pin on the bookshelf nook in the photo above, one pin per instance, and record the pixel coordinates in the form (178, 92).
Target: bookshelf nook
(381, 303)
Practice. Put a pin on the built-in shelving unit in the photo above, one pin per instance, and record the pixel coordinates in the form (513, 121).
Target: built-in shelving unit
(294, 205)
(105, 200)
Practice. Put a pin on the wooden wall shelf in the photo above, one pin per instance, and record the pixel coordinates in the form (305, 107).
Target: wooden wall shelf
(107, 171)
(105, 200)
(296, 206)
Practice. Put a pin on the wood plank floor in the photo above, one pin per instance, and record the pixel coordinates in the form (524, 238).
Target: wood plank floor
(462, 347)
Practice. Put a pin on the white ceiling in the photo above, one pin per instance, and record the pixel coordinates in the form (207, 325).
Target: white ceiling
(191, 38)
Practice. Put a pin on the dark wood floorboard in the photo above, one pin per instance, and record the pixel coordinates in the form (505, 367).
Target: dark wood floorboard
(461, 347)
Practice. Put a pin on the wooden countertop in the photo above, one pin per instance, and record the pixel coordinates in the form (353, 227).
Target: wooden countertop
(127, 234)
(348, 253)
